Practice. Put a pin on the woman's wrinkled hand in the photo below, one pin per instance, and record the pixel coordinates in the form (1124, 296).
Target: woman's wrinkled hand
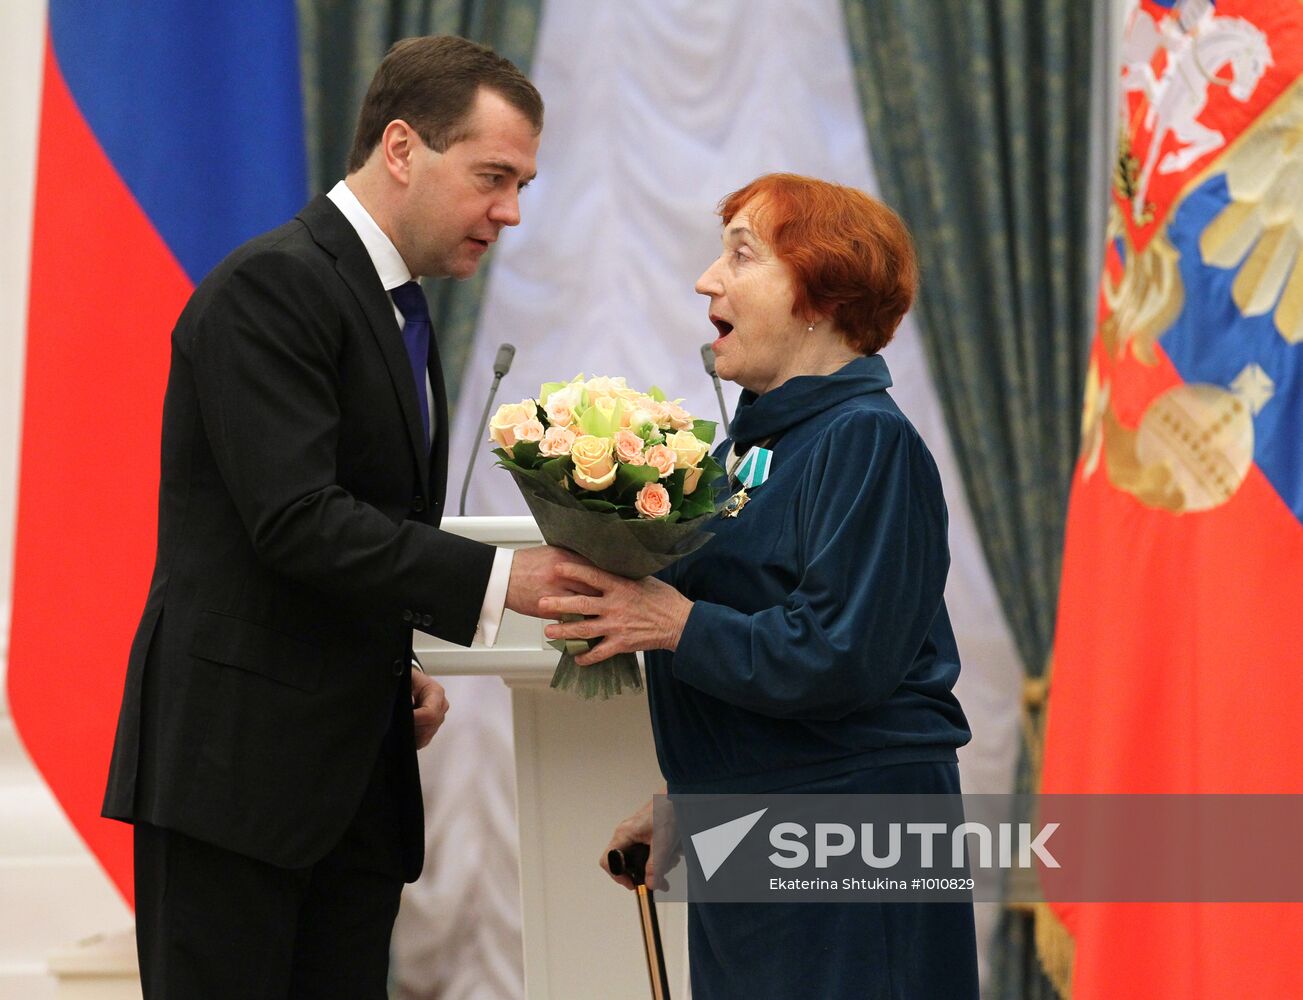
(628, 615)
(637, 829)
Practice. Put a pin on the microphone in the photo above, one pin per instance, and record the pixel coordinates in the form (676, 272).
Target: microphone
(501, 365)
(708, 362)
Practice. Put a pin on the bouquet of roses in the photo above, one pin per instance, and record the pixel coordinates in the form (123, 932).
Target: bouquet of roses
(622, 477)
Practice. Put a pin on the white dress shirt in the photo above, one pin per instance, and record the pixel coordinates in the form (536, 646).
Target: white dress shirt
(393, 271)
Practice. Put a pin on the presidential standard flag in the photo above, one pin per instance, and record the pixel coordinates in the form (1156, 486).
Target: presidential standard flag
(1177, 661)
(170, 132)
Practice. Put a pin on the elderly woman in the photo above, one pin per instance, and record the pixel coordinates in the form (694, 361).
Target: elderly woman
(806, 647)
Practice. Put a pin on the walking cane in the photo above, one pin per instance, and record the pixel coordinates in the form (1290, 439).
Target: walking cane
(633, 862)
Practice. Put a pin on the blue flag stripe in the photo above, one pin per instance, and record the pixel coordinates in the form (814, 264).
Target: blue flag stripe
(198, 106)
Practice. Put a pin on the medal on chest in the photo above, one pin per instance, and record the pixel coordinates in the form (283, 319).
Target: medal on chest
(750, 471)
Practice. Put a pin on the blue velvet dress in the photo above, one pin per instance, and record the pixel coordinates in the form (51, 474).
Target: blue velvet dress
(819, 657)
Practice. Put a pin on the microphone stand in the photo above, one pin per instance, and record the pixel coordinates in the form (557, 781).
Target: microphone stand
(501, 365)
(708, 360)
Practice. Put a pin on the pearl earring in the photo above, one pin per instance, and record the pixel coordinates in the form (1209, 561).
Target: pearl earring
(810, 328)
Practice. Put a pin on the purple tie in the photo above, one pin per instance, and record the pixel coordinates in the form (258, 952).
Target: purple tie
(416, 336)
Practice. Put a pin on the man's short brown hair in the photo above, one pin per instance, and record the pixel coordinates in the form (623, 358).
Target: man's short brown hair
(431, 82)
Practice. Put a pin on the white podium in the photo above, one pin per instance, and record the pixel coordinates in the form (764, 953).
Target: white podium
(581, 767)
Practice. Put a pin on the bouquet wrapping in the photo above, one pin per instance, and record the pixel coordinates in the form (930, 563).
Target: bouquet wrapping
(619, 476)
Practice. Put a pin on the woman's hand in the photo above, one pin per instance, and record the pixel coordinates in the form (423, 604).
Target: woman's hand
(637, 829)
(629, 614)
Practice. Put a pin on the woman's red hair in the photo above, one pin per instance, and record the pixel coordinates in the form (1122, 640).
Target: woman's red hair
(851, 256)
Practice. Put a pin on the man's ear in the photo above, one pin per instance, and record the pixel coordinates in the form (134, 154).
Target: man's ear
(398, 143)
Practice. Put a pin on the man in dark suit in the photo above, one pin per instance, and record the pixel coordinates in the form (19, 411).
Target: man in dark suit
(266, 744)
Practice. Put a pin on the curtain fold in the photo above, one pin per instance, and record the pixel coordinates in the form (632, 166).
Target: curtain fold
(341, 43)
(980, 118)
(979, 114)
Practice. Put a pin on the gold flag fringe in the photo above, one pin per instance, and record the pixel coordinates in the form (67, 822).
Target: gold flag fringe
(1055, 947)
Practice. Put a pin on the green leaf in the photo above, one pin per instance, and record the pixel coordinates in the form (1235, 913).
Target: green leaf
(556, 468)
(674, 484)
(526, 454)
(655, 393)
(697, 505)
(634, 477)
(547, 390)
(595, 422)
(710, 471)
(704, 430)
(605, 506)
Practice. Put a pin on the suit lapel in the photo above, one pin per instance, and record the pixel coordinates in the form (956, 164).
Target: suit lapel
(332, 231)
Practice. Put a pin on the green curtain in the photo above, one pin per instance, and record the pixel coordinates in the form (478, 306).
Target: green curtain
(978, 115)
(341, 42)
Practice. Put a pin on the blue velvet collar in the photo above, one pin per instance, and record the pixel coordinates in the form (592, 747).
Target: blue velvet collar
(761, 416)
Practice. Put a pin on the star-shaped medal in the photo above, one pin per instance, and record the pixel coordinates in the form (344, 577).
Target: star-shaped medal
(734, 504)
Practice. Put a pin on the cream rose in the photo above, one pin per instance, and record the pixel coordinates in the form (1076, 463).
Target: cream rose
(602, 385)
(557, 441)
(653, 501)
(661, 458)
(594, 463)
(560, 410)
(688, 449)
(632, 397)
(605, 405)
(502, 428)
(690, 480)
(643, 422)
(660, 414)
(628, 448)
(680, 419)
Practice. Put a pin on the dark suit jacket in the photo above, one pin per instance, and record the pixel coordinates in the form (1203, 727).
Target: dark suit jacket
(298, 545)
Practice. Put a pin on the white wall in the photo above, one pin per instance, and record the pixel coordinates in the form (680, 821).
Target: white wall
(22, 26)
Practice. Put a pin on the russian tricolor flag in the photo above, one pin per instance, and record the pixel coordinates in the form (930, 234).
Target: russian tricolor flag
(171, 131)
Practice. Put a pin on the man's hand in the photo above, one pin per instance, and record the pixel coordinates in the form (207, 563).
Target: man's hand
(534, 576)
(429, 707)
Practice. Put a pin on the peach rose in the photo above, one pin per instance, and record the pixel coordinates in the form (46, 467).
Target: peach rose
(530, 430)
(688, 449)
(661, 458)
(557, 441)
(690, 480)
(560, 410)
(653, 501)
(594, 463)
(628, 448)
(502, 428)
